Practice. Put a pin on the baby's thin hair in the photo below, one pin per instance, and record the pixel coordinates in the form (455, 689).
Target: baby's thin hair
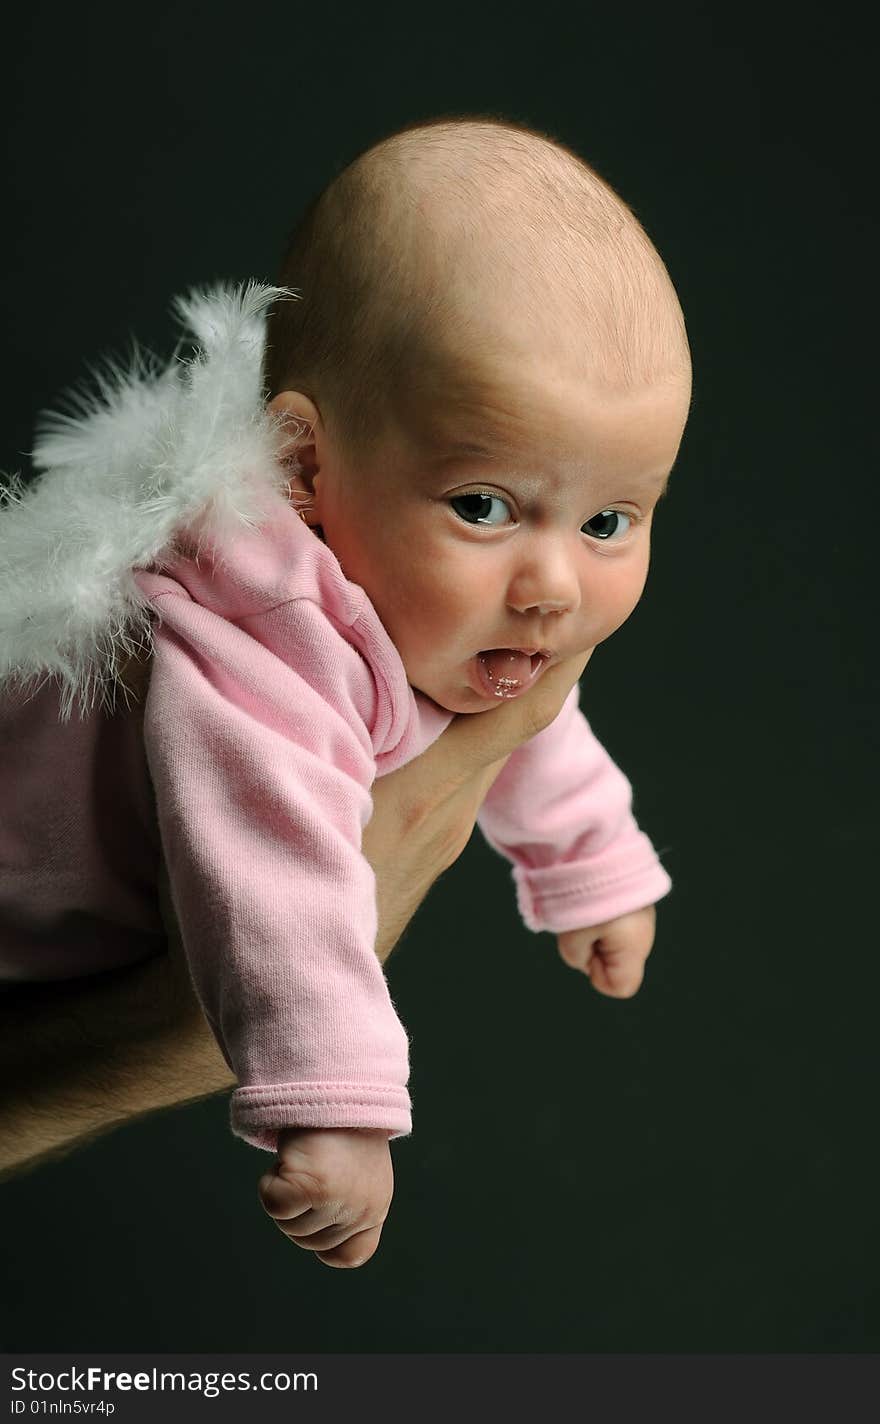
(389, 259)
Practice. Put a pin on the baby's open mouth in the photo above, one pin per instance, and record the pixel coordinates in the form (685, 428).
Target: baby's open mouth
(507, 672)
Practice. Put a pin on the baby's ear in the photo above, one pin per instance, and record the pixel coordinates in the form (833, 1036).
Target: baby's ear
(296, 419)
(298, 424)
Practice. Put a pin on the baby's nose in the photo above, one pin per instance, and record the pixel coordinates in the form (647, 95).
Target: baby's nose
(545, 585)
(552, 606)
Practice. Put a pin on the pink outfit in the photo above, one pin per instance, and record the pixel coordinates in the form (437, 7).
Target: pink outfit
(275, 698)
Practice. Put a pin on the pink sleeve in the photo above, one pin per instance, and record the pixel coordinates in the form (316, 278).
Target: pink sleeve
(262, 781)
(561, 812)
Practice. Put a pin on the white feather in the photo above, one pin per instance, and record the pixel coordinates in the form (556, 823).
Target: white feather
(152, 453)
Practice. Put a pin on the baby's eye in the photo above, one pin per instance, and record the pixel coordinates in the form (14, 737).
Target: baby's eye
(607, 522)
(477, 508)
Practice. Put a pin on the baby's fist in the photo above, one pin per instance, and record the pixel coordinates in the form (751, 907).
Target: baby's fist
(613, 954)
(330, 1191)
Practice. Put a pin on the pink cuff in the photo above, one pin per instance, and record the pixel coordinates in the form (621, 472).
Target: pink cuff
(578, 895)
(258, 1114)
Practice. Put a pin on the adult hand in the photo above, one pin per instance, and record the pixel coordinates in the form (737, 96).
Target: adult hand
(424, 813)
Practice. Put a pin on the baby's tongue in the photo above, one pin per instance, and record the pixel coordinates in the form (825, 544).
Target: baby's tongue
(506, 667)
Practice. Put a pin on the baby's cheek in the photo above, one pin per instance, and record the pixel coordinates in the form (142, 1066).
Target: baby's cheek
(623, 589)
(436, 606)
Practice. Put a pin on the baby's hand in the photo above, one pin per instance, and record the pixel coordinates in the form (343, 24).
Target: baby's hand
(330, 1191)
(613, 954)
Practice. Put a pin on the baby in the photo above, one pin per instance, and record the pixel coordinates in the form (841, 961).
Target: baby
(403, 498)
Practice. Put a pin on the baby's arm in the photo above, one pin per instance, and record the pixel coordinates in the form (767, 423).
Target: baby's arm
(262, 791)
(262, 776)
(561, 812)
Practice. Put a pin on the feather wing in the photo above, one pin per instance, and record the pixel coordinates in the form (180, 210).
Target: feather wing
(153, 451)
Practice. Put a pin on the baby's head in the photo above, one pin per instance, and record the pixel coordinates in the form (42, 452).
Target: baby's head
(487, 378)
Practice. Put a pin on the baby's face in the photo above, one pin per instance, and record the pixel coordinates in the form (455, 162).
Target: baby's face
(541, 542)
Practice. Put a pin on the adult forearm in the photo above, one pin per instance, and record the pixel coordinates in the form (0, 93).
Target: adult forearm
(81, 1057)
(71, 1070)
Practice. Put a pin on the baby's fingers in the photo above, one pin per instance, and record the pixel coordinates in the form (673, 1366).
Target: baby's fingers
(336, 1242)
(618, 973)
(355, 1251)
(612, 954)
(330, 1229)
(285, 1200)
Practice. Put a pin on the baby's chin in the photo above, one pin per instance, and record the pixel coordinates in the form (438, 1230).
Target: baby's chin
(455, 699)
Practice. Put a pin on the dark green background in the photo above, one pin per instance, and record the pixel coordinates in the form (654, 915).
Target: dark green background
(693, 1170)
